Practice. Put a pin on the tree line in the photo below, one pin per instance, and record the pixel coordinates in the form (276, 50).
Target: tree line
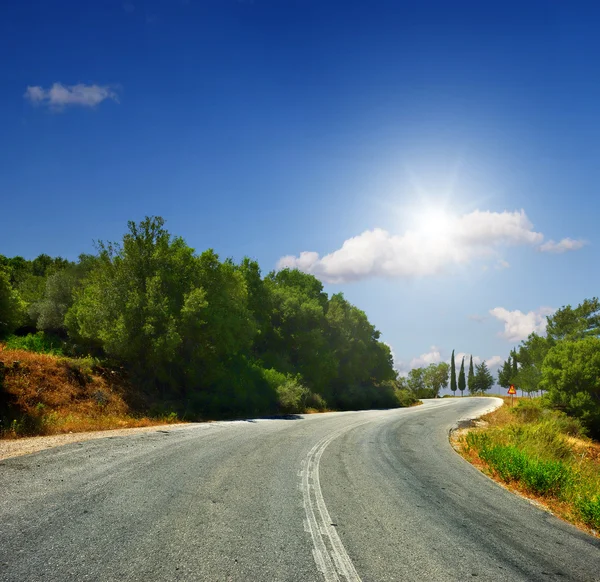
(427, 382)
(209, 336)
(564, 364)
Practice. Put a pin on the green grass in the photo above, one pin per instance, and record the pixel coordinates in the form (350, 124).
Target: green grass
(40, 343)
(545, 453)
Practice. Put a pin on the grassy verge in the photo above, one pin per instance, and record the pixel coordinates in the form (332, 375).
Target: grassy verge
(44, 394)
(542, 454)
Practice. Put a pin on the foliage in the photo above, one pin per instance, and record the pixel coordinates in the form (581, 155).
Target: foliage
(427, 382)
(453, 385)
(471, 377)
(206, 336)
(543, 452)
(462, 384)
(40, 342)
(12, 307)
(483, 379)
(571, 374)
(578, 323)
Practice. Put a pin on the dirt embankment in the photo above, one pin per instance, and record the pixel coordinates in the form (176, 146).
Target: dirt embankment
(43, 394)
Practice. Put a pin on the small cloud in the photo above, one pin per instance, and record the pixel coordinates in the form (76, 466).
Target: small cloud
(565, 245)
(129, 7)
(494, 361)
(477, 318)
(518, 325)
(60, 96)
(433, 356)
(502, 264)
(151, 18)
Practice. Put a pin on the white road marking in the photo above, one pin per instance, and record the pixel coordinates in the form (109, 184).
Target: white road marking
(328, 551)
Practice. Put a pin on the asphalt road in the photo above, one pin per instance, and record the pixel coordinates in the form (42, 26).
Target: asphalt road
(371, 496)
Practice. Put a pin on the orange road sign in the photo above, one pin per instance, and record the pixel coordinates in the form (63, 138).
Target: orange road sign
(512, 390)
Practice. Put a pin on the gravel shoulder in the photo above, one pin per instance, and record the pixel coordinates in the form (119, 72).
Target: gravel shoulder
(25, 446)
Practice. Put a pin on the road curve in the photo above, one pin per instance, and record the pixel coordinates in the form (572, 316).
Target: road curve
(371, 496)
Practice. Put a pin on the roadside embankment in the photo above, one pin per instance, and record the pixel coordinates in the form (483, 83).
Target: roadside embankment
(541, 454)
(43, 394)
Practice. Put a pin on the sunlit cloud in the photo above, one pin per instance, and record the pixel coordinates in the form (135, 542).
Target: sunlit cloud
(431, 247)
(518, 325)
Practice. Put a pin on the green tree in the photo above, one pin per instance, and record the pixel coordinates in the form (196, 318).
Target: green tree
(471, 377)
(436, 378)
(483, 379)
(12, 307)
(172, 317)
(461, 378)
(578, 323)
(571, 375)
(416, 383)
(453, 385)
(505, 373)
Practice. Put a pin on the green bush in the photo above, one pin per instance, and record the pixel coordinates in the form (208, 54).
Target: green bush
(291, 396)
(589, 509)
(40, 342)
(513, 464)
(315, 401)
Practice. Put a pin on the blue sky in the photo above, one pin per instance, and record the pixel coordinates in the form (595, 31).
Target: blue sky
(435, 161)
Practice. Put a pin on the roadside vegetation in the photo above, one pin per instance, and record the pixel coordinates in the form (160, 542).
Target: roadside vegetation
(51, 394)
(564, 364)
(543, 454)
(187, 333)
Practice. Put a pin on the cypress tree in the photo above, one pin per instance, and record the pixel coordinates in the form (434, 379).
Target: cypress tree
(452, 374)
(471, 376)
(461, 378)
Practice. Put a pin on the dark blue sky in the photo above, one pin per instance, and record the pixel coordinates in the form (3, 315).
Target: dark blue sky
(269, 128)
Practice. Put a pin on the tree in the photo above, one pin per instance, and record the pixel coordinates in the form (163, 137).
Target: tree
(416, 383)
(452, 374)
(435, 378)
(12, 307)
(578, 323)
(483, 379)
(471, 376)
(461, 377)
(571, 375)
(505, 373)
(172, 317)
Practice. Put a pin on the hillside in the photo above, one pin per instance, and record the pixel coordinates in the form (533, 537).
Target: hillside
(42, 394)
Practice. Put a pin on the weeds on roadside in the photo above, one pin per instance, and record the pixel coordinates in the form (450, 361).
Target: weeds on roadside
(544, 453)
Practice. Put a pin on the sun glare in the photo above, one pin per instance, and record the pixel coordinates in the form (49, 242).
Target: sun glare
(434, 224)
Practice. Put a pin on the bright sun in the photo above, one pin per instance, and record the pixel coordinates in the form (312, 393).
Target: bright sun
(434, 224)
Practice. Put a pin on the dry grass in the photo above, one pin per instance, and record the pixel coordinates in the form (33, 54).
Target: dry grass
(579, 453)
(51, 395)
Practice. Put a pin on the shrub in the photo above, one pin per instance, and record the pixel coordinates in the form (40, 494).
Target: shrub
(40, 342)
(291, 396)
(589, 509)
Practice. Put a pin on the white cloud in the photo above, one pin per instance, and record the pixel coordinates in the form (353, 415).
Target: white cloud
(494, 361)
(518, 325)
(565, 245)
(60, 96)
(433, 356)
(422, 251)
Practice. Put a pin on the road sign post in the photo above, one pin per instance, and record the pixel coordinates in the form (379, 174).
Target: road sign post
(512, 391)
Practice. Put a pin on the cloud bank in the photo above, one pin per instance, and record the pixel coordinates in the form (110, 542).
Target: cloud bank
(60, 96)
(420, 253)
